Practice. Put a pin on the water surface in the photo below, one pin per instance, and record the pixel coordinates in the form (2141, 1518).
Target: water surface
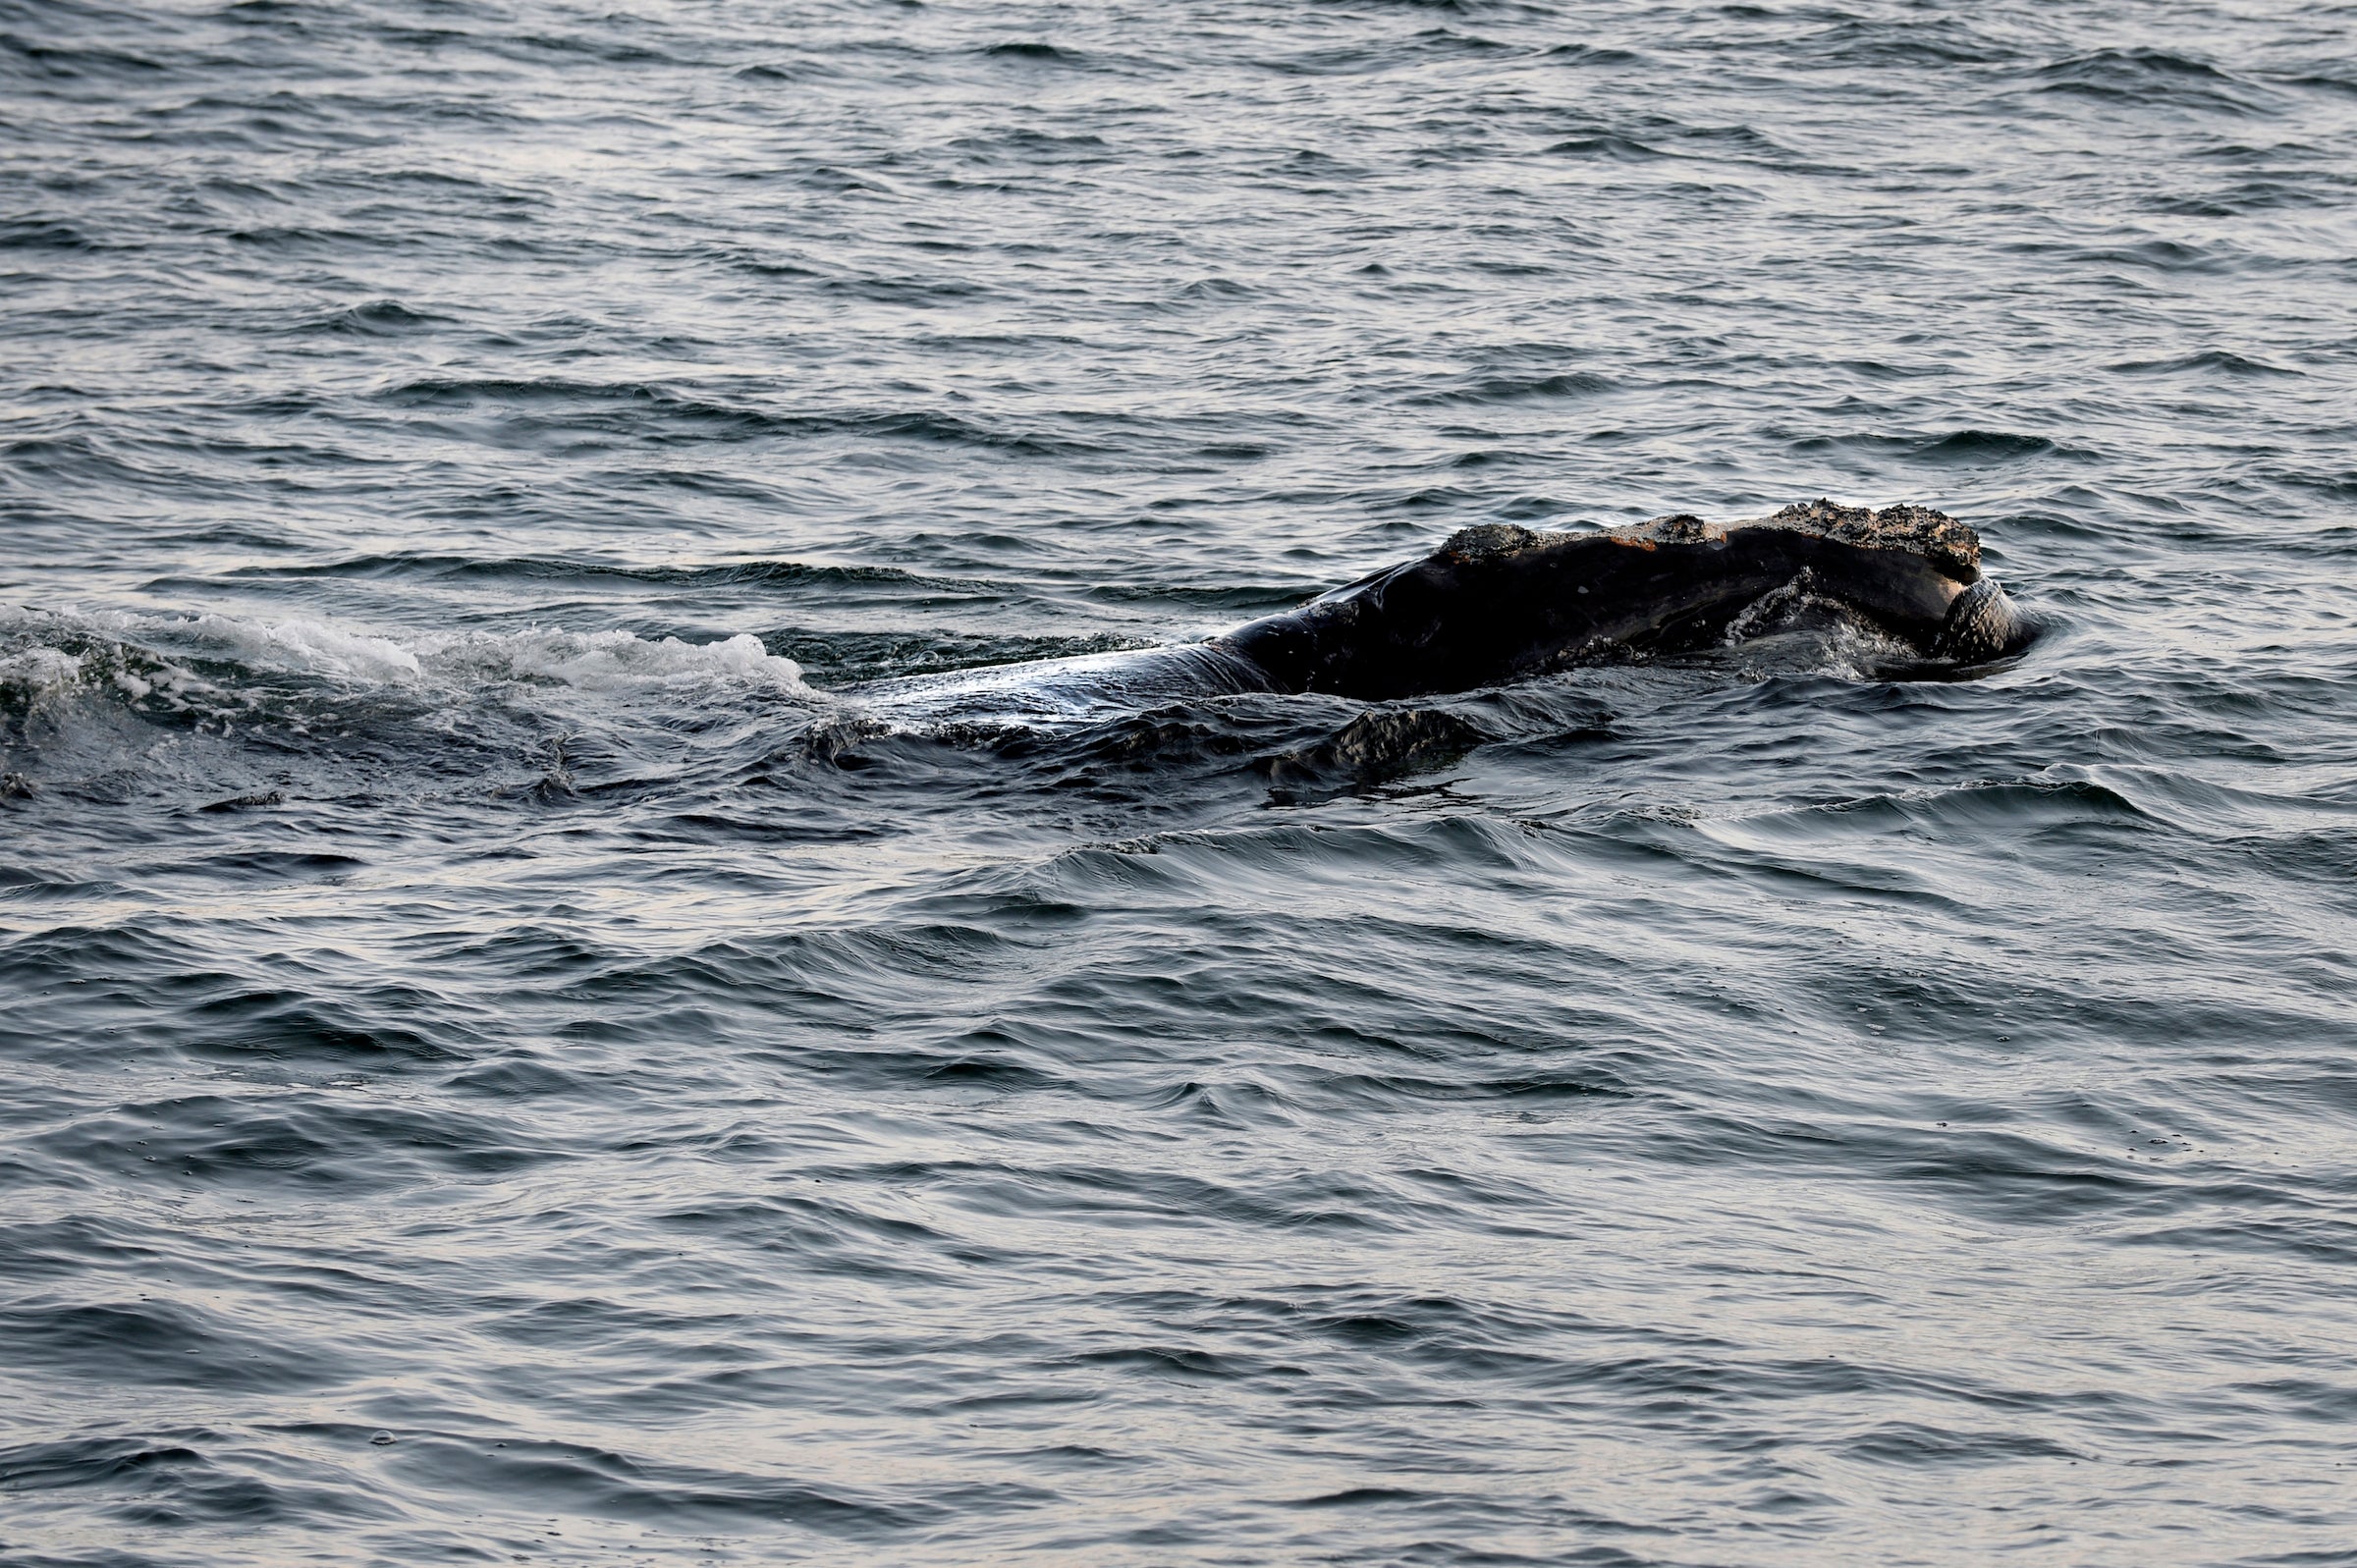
(505, 1060)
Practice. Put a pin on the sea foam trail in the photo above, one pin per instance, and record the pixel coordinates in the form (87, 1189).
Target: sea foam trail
(45, 653)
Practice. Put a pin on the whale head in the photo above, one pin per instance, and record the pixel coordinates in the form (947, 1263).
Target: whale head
(1498, 602)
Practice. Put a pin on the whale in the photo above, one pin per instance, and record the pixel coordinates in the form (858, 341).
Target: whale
(1497, 604)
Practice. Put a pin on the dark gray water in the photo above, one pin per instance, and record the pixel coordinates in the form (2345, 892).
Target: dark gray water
(505, 1061)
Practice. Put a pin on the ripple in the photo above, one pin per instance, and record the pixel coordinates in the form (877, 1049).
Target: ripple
(515, 1050)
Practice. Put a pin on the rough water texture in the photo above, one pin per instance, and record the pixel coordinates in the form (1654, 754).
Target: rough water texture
(502, 1062)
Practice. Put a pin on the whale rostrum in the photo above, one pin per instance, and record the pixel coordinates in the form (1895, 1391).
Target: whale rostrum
(1499, 603)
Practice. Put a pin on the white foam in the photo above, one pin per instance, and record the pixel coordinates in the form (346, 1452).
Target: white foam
(37, 671)
(305, 646)
(612, 661)
(135, 654)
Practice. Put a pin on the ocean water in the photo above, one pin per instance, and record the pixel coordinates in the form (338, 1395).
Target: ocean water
(509, 1052)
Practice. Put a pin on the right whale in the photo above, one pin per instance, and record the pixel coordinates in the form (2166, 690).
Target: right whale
(1497, 602)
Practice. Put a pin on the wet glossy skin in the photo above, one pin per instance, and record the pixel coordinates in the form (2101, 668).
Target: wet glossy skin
(1499, 605)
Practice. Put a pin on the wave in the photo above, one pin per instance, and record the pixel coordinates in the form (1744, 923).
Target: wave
(1970, 446)
(2147, 76)
(552, 568)
(1519, 388)
(177, 662)
(2221, 360)
(655, 414)
(1047, 53)
(376, 318)
(2022, 806)
(44, 233)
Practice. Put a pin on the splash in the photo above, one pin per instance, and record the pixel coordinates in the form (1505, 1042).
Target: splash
(174, 658)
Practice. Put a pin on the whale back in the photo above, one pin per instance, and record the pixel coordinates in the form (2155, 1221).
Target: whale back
(1500, 603)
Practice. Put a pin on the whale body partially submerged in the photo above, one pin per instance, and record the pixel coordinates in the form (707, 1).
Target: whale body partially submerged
(1497, 604)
